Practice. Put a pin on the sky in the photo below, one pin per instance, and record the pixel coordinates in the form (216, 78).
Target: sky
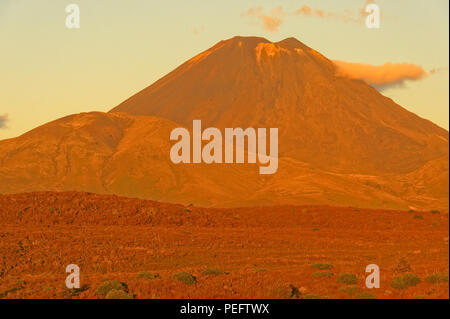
(48, 71)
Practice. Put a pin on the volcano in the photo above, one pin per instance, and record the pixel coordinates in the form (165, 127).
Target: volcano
(341, 142)
(323, 119)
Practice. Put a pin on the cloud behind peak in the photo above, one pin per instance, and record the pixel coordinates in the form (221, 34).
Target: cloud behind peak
(381, 76)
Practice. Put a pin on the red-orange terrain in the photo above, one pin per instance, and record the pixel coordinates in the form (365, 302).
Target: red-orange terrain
(148, 249)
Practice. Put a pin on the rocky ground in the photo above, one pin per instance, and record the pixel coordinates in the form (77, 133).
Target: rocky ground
(144, 249)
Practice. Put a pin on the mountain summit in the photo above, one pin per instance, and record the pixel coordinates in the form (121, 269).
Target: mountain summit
(340, 141)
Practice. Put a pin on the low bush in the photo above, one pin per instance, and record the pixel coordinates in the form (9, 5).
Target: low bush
(348, 279)
(185, 278)
(76, 291)
(314, 296)
(109, 285)
(365, 295)
(321, 274)
(437, 278)
(403, 266)
(284, 292)
(118, 294)
(405, 281)
(322, 266)
(213, 272)
(349, 290)
(146, 275)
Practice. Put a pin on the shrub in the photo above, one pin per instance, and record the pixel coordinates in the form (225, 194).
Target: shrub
(12, 290)
(436, 278)
(185, 278)
(315, 229)
(434, 211)
(314, 296)
(402, 266)
(348, 279)
(76, 291)
(212, 272)
(295, 292)
(321, 274)
(118, 294)
(322, 266)
(365, 295)
(284, 292)
(21, 282)
(349, 290)
(436, 223)
(405, 281)
(146, 275)
(418, 217)
(109, 285)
